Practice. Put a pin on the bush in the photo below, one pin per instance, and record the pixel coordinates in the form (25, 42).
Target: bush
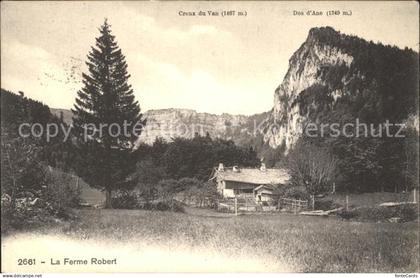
(61, 192)
(131, 200)
(125, 200)
(348, 214)
(176, 206)
(325, 204)
(162, 206)
(294, 192)
(28, 212)
(37, 204)
(405, 213)
(166, 205)
(408, 212)
(6, 212)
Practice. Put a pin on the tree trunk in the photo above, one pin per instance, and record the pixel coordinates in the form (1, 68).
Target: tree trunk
(13, 197)
(108, 196)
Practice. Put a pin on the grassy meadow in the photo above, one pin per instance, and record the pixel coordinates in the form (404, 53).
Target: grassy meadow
(203, 240)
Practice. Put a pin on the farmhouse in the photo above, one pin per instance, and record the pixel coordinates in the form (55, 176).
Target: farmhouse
(260, 184)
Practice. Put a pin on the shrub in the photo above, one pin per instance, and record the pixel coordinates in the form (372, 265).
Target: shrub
(295, 192)
(164, 205)
(39, 203)
(61, 193)
(176, 206)
(325, 204)
(146, 206)
(125, 200)
(6, 212)
(28, 213)
(131, 200)
(408, 212)
(348, 214)
(405, 213)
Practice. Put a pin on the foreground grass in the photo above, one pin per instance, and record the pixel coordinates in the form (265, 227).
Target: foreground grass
(282, 242)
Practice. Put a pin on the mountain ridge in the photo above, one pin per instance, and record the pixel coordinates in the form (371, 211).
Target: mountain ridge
(169, 123)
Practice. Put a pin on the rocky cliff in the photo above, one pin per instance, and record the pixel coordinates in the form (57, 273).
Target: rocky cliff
(172, 122)
(303, 72)
(330, 65)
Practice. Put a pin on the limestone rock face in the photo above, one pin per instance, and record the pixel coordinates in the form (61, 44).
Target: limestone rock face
(286, 120)
(186, 123)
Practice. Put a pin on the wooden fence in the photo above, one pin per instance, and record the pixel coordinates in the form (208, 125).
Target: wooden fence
(293, 205)
(235, 205)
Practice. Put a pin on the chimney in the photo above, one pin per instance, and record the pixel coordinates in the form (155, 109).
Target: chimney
(221, 168)
(262, 168)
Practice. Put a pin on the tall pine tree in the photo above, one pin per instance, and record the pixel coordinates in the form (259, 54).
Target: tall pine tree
(105, 109)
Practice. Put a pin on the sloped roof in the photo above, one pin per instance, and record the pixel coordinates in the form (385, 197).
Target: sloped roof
(254, 176)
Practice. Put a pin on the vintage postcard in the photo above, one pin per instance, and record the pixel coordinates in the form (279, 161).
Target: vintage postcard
(209, 137)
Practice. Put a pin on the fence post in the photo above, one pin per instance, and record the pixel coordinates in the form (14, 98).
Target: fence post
(313, 201)
(347, 202)
(236, 206)
(414, 195)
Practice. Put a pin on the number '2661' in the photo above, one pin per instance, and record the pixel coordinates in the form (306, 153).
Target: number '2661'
(26, 261)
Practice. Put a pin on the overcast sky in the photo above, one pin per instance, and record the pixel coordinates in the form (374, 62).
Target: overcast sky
(210, 64)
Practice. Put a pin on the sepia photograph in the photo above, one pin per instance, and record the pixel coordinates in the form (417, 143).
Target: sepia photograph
(217, 137)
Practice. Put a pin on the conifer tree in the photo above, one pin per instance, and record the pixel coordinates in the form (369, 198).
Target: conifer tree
(107, 118)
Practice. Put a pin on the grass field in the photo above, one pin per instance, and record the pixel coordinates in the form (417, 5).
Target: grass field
(202, 240)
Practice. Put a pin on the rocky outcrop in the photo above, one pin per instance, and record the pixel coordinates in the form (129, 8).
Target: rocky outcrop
(186, 123)
(305, 65)
(173, 122)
